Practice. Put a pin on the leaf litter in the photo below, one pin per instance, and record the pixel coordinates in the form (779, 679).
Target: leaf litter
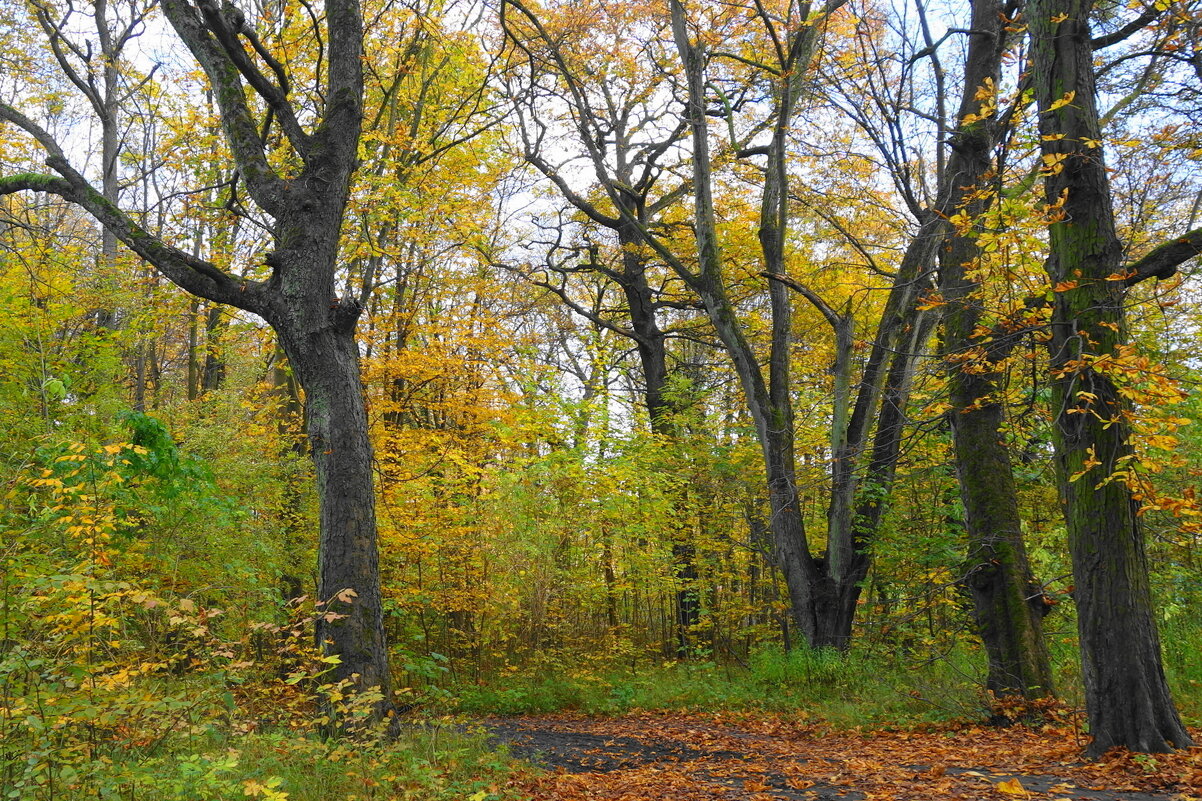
(744, 757)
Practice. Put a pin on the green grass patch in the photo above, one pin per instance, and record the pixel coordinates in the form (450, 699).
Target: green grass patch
(843, 689)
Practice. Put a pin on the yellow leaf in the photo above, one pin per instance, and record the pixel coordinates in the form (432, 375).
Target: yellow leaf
(1059, 18)
(1053, 163)
(1012, 787)
(1063, 101)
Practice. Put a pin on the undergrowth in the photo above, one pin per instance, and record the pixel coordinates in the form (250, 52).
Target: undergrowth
(856, 689)
(843, 689)
(115, 686)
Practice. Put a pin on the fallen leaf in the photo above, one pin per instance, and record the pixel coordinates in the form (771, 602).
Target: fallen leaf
(1012, 787)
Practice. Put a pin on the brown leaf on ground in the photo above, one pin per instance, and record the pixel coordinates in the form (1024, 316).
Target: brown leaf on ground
(647, 757)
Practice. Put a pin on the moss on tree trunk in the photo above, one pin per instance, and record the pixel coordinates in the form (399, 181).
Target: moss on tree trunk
(1126, 696)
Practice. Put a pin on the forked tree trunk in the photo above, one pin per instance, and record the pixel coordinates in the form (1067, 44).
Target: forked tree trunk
(1126, 696)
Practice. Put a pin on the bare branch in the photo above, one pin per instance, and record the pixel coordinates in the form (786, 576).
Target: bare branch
(1130, 29)
(192, 274)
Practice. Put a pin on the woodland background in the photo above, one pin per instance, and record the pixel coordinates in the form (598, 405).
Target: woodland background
(551, 535)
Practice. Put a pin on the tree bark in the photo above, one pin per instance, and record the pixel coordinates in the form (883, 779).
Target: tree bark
(1126, 696)
(327, 367)
(1007, 603)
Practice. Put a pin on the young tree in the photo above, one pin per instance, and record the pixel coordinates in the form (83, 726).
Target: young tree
(1126, 696)
(304, 188)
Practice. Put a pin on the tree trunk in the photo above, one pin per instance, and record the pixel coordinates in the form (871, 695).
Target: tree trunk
(326, 364)
(1126, 696)
(1007, 603)
(662, 408)
(290, 425)
(212, 374)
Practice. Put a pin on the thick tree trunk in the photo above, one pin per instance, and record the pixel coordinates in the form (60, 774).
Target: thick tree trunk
(326, 364)
(1126, 696)
(1007, 604)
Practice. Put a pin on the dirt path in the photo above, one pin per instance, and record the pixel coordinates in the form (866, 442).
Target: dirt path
(690, 758)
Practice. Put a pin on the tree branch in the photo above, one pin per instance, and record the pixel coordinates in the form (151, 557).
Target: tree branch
(192, 274)
(241, 130)
(343, 117)
(833, 317)
(225, 28)
(1162, 262)
(1130, 29)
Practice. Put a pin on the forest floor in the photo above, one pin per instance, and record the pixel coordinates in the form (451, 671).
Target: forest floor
(649, 757)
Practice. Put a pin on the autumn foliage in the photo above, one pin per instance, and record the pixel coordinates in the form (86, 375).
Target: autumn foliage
(674, 323)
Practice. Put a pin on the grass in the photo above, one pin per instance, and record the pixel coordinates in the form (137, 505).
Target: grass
(845, 690)
(204, 754)
(435, 761)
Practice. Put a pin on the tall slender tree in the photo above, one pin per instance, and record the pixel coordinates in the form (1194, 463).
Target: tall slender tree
(1126, 696)
(622, 113)
(1007, 603)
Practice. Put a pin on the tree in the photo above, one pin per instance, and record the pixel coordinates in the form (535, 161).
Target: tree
(815, 599)
(621, 117)
(755, 83)
(1007, 603)
(1127, 698)
(303, 185)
